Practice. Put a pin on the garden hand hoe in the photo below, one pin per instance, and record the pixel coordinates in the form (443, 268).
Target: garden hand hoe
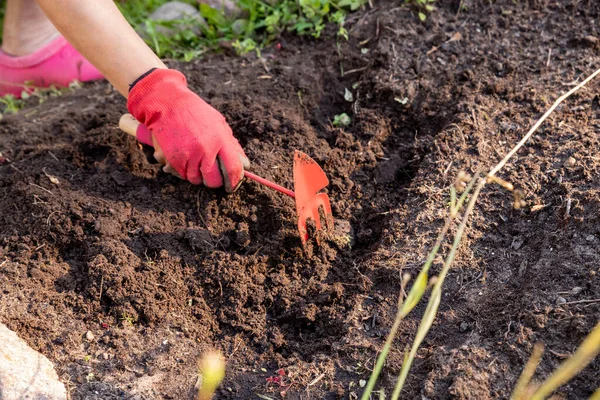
(309, 179)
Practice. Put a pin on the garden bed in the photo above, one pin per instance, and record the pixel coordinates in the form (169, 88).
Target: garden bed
(159, 270)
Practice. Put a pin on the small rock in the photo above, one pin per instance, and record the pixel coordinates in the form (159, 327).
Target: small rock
(570, 162)
(517, 242)
(176, 10)
(199, 239)
(105, 356)
(464, 326)
(507, 127)
(590, 238)
(89, 336)
(522, 268)
(560, 301)
(25, 373)
(576, 290)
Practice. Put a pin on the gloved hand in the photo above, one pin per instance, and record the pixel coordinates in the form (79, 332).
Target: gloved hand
(194, 137)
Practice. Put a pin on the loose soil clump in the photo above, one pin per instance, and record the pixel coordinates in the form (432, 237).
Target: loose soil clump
(94, 237)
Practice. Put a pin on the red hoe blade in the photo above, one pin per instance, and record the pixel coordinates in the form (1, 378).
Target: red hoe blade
(309, 180)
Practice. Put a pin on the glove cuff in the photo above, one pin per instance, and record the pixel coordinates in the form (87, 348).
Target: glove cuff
(145, 74)
(154, 93)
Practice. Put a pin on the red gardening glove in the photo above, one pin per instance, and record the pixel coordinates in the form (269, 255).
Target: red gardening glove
(194, 137)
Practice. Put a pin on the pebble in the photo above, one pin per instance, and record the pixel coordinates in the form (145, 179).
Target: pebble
(560, 301)
(517, 242)
(570, 163)
(89, 336)
(576, 290)
(590, 238)
(464, 326)
(175, 10)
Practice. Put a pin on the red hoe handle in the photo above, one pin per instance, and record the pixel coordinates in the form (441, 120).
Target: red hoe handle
(268, 183)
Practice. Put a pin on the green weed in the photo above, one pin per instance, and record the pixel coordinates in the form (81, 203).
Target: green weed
(126, 319)
(423, 7)
(11, 104)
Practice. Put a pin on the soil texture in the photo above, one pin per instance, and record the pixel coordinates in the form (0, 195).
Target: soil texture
(122, 275)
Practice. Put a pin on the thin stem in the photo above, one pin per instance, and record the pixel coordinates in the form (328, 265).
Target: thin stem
(434, 301)
(584, 354)
(528, 371)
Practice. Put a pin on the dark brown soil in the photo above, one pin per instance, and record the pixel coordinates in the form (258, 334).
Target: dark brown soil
(159, 270)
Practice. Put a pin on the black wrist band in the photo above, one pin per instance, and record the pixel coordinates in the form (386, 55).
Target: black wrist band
(145, 74)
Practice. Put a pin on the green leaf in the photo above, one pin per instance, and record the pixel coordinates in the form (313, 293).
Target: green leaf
(212, 16)
(341, 120)
(422, 16)
(416, 292)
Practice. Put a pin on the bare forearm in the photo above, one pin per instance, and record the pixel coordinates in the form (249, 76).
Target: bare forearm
(99, 32)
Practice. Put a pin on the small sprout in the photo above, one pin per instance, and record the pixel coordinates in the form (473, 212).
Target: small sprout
(364, 50)
(74, 85)
(422, 16)
(211, 371)
(401, 100)
(348, 95)
(127, 319)
(341, 120)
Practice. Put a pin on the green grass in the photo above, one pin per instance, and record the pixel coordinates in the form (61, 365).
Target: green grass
(260, 23)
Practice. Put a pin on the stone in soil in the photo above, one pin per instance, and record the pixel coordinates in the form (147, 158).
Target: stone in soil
(177, 10)
(25, 373)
